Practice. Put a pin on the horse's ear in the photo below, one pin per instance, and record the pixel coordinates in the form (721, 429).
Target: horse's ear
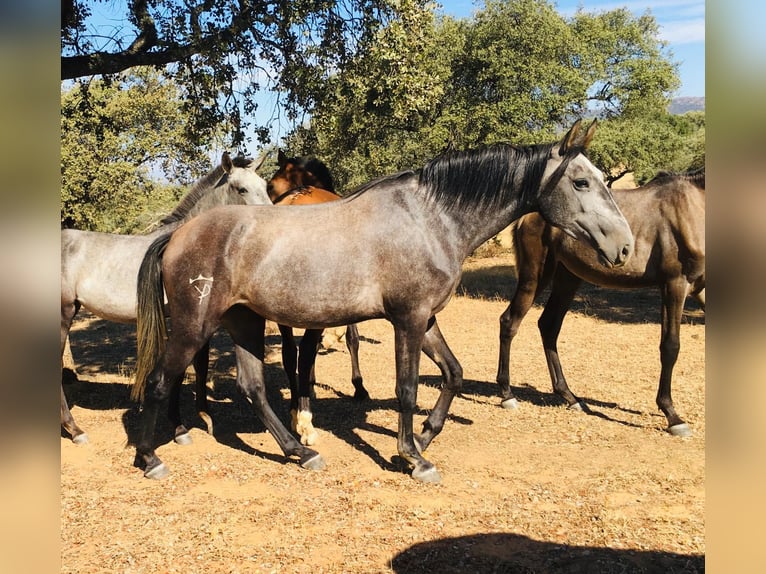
(569, 138)
(281, 159)
(589, 134)
(226, 162)
(260, 162)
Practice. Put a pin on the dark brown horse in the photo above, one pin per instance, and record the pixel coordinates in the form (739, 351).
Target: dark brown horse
(397, 249)
(667, 217)
(307, 181)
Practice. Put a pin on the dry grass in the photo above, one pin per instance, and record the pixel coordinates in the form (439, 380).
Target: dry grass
(541, 489)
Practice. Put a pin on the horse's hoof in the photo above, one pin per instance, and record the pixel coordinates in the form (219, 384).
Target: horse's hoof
(579, 406)
(80, 439)
(183, 439)
(361, 395)
(314, 462)
(157, 472)
(428, 475)
(680, 430)
(510, 404)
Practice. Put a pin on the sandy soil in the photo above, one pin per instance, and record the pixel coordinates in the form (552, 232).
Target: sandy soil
(540, 489)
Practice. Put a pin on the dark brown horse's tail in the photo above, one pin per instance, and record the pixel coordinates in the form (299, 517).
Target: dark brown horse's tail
(151, 330)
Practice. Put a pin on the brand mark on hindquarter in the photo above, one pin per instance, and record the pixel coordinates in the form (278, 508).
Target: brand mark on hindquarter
(203, 285)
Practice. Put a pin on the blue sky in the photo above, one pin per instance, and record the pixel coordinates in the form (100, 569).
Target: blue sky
(682, 25)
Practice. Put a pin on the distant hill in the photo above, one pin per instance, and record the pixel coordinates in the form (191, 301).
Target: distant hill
(683, 105)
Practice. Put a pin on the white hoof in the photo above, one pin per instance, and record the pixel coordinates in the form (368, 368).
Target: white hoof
(680, 430)
(510, 404)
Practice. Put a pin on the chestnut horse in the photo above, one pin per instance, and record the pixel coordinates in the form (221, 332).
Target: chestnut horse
(307, 181)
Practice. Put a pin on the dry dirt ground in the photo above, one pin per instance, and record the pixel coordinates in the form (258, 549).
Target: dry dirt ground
(540, 489)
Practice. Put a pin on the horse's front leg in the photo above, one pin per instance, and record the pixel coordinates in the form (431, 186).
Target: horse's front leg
(408, 341)
(436, 348)
(300, 406)
(673, 297)
(352, 344)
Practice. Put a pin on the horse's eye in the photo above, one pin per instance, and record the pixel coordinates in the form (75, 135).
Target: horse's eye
(581, 184)
(242, 190)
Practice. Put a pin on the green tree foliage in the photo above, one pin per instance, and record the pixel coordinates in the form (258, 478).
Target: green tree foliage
(224, 53)
(518, 71)
(118, 138)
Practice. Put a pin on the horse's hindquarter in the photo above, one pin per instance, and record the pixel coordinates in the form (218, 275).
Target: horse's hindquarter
(99, 270)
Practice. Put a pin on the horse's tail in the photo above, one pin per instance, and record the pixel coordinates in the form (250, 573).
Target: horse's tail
(151, 330)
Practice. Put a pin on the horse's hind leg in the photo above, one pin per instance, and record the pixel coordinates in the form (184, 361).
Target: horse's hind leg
(166, 376)
(247, 331)
(181, 433)
(300, 408)
(68, 423)
(201, 363)
(68, 366)
(68, 311)
(563, 290)
(673, 296)
(436, 348)
(352, 343)
(289, 358)
(533, 271)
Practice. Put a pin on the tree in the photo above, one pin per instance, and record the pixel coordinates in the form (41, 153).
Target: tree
(117, 137)
(518, 71)
(225, 52)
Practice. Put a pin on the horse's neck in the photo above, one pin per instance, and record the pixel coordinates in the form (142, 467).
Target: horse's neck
(477, 227)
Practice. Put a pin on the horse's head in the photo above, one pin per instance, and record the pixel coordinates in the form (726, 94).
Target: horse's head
(242, 178)
(576, 199)
(298, 173)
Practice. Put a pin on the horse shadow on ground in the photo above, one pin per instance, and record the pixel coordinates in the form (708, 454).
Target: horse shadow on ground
(487, 394)
(614, 305)
(506, 553)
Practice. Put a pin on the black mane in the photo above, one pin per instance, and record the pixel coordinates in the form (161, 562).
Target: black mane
(479, 179)
(198, 191)
(316, 167)
(696, 177)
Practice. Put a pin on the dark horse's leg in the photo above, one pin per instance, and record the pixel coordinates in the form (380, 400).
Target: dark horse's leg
(673, 297)
(408, 341)
(247, 331)
(68, 311)
(563, 290)
(352, 344)
(200, 362)
(439, 352)
(534, 271)
(300, 402)
(160, 385)
(289, 358)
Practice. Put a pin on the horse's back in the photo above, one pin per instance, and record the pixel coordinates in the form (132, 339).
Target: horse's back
(99, 270)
